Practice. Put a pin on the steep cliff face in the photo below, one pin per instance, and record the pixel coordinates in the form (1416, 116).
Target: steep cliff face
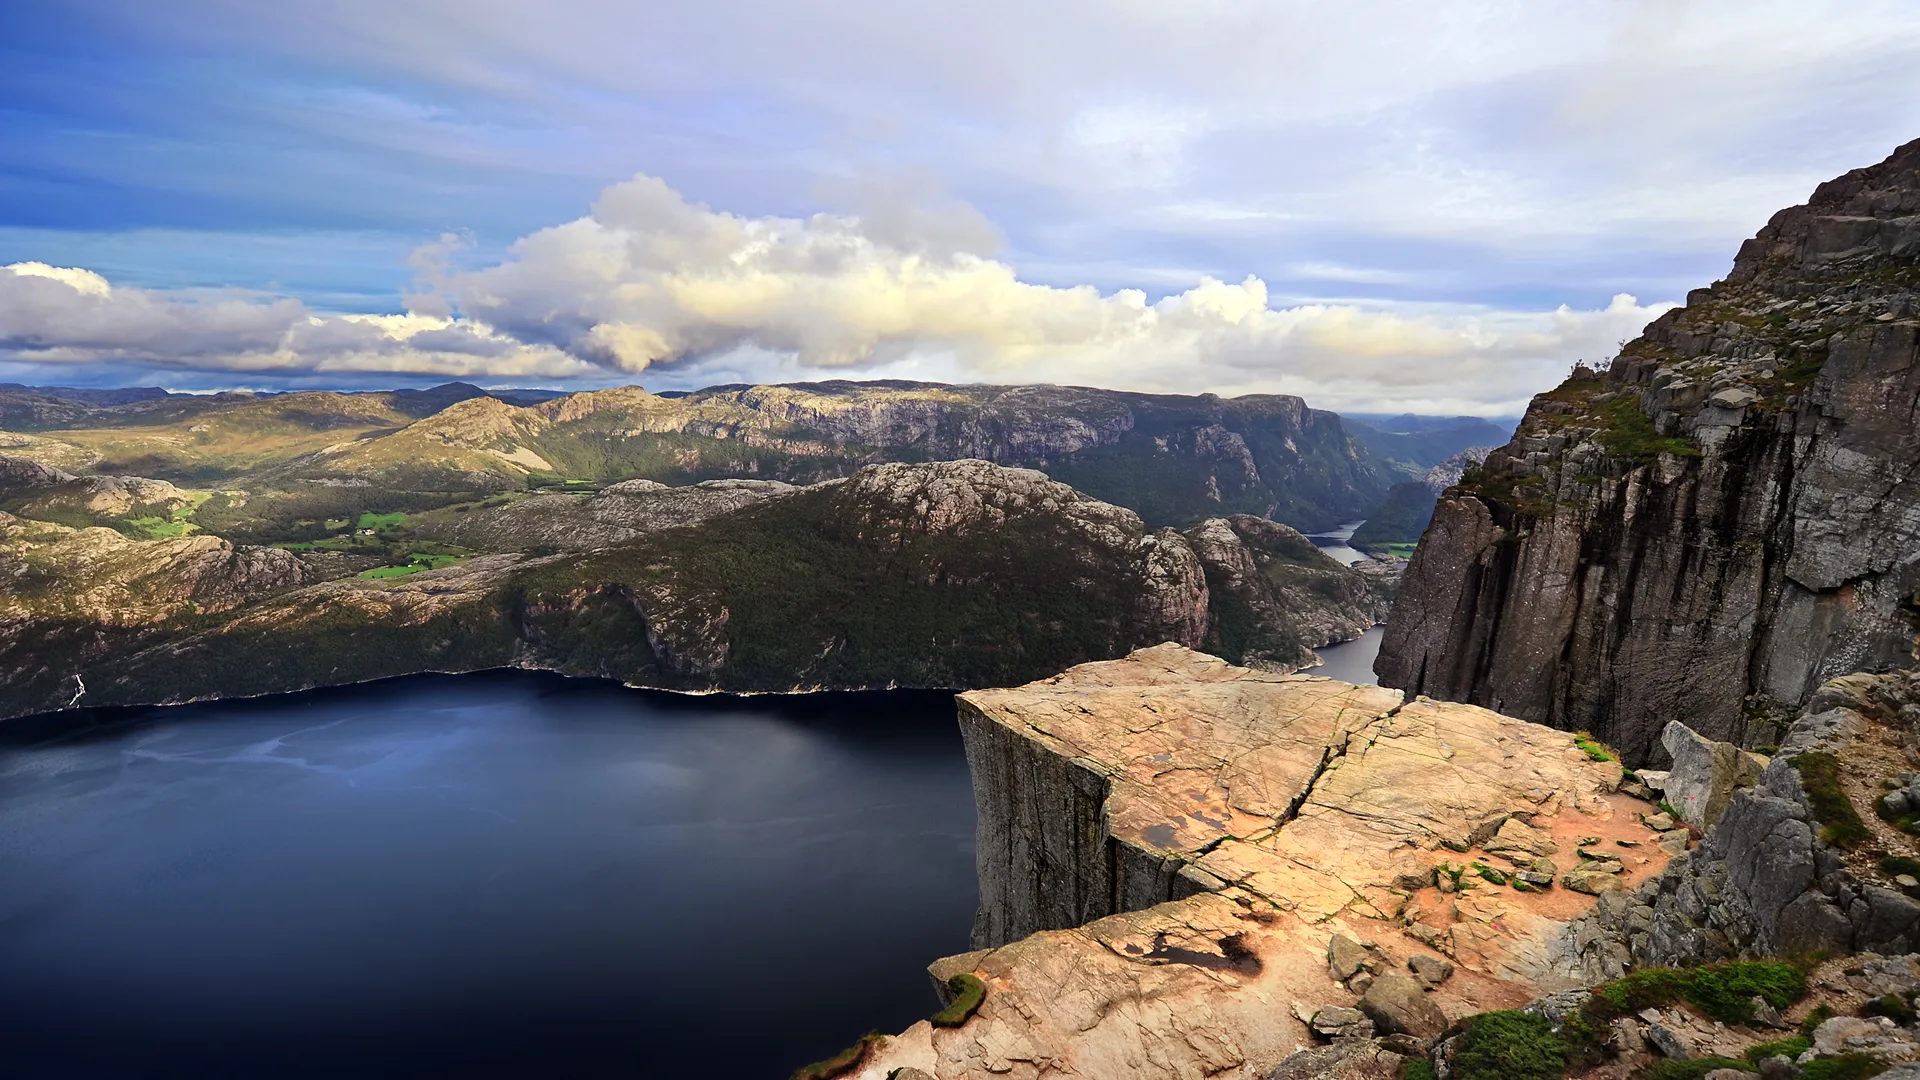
(1722, 521)
(1173, 850)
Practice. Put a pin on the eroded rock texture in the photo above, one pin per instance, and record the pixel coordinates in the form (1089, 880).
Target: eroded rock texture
(1182, 862)
(1720, 523)
(1771, 877)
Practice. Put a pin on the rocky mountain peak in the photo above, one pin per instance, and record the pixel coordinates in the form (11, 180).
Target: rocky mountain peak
(1870, 213)
(1722, 521)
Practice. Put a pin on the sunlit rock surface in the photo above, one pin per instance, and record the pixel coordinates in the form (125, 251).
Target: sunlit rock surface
(1169, 844)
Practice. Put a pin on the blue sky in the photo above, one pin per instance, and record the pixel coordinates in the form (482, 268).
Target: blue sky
(1375, 205)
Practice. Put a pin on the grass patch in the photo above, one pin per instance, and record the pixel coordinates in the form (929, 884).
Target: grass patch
(372, 520)
(968, 992)
(1845, 1067)
(1510, 1045)
(1894, 865)
(1820, 1014)
(1724, 992)
(1892, 1006)
(1628, 432)
(841, 1063)
(1595, 751)
(1840, 823)
(1418, 1069)
(1792, 1046)
(415, 564)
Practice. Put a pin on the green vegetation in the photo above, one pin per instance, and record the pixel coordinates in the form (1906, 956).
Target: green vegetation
(1845, 1067)
(1509, 1045)
(1288, 565)
(1595, 751)
(1816, 1016)
(162, 522)
(1690, 1069)
(1840, 823)
(1792, 1046)
(1627, 432)
(1488, 873)
(841, 1063)
(1418, 1069)
(1724, 992)
(1893, 865)
(371, 520)
(968, 992)
(1892, 1006)
(416, 564)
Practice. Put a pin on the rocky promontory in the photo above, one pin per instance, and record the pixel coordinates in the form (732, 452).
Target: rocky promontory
(1190, 868)
(1716, 525)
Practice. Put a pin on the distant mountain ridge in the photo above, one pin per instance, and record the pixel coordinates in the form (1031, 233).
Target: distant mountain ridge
(1175, 459)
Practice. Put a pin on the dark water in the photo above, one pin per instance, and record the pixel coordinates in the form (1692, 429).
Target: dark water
(1334, 544)
(491, 875)
(1351, 661)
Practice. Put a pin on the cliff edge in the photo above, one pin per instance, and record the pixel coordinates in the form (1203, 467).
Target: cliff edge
(1190, 868)
(1725, 519)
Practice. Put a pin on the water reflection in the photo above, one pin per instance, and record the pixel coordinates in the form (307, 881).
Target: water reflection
(501, 873)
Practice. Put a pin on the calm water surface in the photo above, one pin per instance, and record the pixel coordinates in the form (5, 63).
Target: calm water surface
(502, 874)
(1334, 544)
(1351, 661)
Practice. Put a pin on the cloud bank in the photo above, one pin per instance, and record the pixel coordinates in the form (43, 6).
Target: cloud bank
(652, 287)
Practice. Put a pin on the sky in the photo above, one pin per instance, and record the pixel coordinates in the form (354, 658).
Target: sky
(1377, 206)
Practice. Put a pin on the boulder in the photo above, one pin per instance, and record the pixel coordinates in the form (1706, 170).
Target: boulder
(1594, 879)
(1399, 1005)
(1345, 957)
(1431, 970)
(1705, 773)
(1350, 1059)
(1520, 844)
(1669, 1042)
(1340, 1022)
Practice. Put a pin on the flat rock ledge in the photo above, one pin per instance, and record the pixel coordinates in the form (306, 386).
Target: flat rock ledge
(1172, 848)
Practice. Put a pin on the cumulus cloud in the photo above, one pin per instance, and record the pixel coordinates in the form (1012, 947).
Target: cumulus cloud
(53, 315)
(649, 282)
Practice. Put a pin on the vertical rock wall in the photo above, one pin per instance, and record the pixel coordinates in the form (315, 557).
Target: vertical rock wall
(1046, 858)
(1724, 520)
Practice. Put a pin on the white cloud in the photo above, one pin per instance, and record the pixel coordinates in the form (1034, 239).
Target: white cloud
(85, 282)
(650, 284)
(63, 315)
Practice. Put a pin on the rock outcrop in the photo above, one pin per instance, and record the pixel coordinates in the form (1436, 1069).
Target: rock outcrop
(559, 521)
(1273, 595)
(1725, 519)
(1799, 863)
(1184, 863)
(1705, 774)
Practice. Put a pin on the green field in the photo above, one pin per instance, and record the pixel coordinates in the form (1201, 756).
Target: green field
(380, 521)
(419, 563)
(171, 526)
